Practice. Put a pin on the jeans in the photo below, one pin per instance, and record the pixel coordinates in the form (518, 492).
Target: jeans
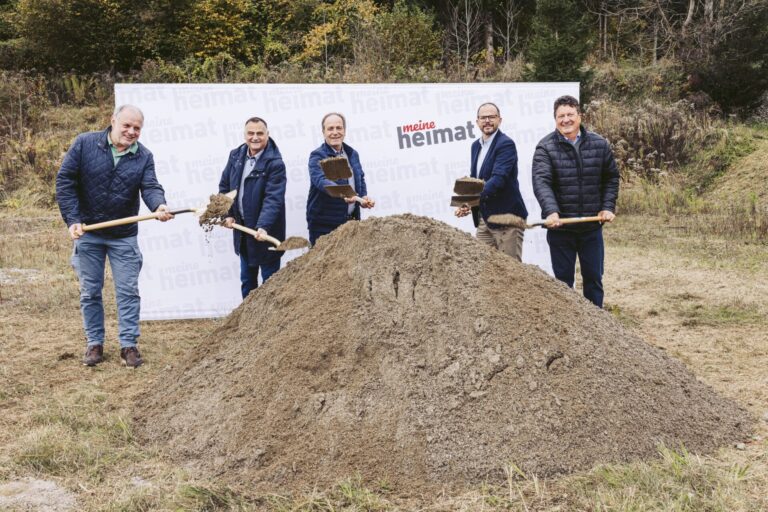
(88, 259)
(564, 246)
(249, 275)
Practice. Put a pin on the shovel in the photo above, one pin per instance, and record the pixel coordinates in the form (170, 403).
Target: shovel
(336, 168)
(343, 191)
(509, 219)
(469, 200)
(198, 211)
(290, 244)
(467, 186)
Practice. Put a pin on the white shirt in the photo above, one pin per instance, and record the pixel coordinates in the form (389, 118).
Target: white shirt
(250, 163)
(485, 145)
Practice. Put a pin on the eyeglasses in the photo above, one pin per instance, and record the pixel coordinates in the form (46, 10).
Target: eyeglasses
(487, 118)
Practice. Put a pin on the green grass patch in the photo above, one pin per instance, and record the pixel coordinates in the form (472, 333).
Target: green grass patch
(719, 315)
(209, 499)
(348, 495)
(678, 482)
(719, 153)
(73, 434)
(625, 318)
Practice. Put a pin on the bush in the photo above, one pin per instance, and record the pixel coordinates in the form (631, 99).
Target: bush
(629, 82)
(652, 139)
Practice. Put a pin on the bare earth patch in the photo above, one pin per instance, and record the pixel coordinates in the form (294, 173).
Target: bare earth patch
(35, 495)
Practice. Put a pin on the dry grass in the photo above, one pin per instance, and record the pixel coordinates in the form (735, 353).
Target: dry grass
(61, 421)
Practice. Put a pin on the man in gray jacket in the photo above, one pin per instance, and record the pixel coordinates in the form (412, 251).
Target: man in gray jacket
(575, 175)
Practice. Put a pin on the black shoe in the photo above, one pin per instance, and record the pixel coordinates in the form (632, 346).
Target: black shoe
(131, 357)
(94, 354)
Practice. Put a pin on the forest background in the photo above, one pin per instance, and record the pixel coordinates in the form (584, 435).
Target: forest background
(677, 86)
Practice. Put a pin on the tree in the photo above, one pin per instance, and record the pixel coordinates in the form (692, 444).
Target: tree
(560, 42)
(733, 70)
(219, 26)
(81, 35)
(335, 26)
(398, 42)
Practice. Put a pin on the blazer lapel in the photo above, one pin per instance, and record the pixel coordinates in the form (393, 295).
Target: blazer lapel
(484, 170)
(473, 170)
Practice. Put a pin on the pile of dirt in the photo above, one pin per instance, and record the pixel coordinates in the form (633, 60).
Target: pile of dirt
(402, 349)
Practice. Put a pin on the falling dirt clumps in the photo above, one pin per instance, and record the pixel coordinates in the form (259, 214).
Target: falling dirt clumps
(216, 210)
(403, 350)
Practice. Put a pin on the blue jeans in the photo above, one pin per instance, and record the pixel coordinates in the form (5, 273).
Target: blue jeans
(249, 275)
(88, 259)
(564, 246)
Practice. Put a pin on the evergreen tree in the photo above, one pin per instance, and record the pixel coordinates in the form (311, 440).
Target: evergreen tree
(560, 42)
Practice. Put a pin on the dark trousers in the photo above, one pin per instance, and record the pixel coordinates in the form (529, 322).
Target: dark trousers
(318, 230)
(249, 275)
(564, 246)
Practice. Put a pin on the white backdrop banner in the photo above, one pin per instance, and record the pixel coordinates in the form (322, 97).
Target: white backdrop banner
(192, 128)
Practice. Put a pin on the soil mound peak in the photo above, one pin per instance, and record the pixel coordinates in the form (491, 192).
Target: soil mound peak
(402, 349)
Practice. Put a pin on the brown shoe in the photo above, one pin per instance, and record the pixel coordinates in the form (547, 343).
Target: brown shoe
(94, 354)
(131, 357)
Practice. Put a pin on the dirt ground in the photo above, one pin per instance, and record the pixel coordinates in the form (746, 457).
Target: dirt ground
(701, 300)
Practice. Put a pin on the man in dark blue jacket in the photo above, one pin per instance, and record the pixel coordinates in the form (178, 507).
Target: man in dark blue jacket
(494, 159)
(99, 180)
(325, 212)
(256, 170)
(575, 175)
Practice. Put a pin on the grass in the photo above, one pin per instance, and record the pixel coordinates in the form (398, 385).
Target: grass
(678, 481)
(63, 422)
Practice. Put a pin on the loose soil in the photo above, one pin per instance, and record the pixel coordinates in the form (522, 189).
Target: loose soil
(402, 349)
(217, 209)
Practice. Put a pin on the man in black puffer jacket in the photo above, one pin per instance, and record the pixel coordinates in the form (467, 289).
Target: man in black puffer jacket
(575, 175)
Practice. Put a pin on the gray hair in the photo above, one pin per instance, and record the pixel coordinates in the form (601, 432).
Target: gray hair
(128, 107)
(329, 114)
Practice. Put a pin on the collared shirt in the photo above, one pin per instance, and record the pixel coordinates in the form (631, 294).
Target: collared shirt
(485, 145)
(117, 155)
(250, 163)
(575, 142)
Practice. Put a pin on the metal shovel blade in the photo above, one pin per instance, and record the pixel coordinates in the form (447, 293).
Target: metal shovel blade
(291, 243)
(467, 186)
(336, 167)
(457, 201)
(508, 219)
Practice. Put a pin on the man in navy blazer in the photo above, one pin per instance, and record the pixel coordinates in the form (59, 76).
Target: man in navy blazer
(494, 160)
(256, 170)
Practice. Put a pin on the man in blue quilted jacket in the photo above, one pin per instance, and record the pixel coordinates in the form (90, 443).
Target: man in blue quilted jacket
(256, 170)
(100, 179)
(325, 212)
(575, 175)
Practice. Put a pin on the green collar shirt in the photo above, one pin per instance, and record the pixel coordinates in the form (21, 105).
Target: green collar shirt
(117, 155)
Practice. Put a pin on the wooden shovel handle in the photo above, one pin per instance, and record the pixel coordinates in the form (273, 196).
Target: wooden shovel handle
(570, 220)
(274, 241)
(577, 220)
(120, 222)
